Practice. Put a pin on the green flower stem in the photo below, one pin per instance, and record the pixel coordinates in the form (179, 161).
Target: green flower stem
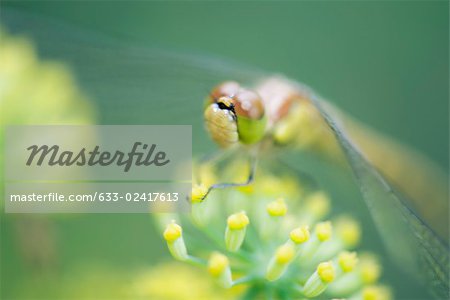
(196, 261)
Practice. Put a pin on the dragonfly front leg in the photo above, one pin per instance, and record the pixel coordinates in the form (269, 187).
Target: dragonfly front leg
(206, 181)
(253, 162)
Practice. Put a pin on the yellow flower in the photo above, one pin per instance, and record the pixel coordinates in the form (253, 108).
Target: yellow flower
(176, 281)
(347, 261)
(375, 292)
(238, 221)
(277, 208)
(300, 235)
(33, 91)
(172, 232)
(348, 230)
(323, 231)
(326, 271)
(198, 192)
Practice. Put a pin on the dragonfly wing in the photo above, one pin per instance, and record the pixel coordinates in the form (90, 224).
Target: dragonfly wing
(411, 242)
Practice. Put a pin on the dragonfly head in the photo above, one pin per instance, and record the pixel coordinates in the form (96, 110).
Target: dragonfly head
(233, 114)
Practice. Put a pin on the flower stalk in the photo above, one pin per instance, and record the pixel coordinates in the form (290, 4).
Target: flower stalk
(280, 261)
(276, 210)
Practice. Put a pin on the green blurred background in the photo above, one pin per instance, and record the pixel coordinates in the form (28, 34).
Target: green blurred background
(385, 63)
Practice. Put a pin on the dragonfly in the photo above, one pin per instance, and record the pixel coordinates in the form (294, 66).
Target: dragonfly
(252, 111)
(279, 112)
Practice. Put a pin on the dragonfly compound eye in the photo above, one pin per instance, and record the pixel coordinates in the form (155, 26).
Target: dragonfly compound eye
(233, 114)
(250, 114)
(220, 121)
(225, 89)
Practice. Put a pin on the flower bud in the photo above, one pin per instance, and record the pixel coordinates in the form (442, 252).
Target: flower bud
(219, 268)
(319, 280)
(348, 231)
(235, 231)
(369, 269)
(174, 238)
(300, 235)
(347, 261)
(280, 261)
(318, 205)
(323, 231)
(376, 292)
(277, 208)
(199, 192)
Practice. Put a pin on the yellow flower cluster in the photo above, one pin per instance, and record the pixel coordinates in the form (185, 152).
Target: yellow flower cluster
(33, 91)
(273, 238)
(36, 92)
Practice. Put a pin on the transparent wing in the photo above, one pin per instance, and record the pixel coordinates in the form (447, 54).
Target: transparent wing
(130, 84)
(412, 244)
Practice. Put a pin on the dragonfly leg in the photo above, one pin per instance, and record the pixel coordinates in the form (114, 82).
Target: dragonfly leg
(250, 178)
